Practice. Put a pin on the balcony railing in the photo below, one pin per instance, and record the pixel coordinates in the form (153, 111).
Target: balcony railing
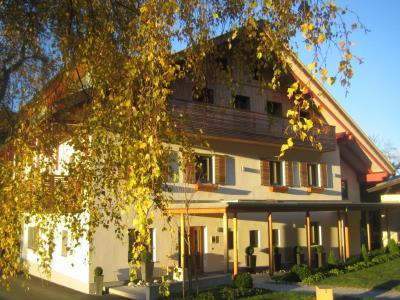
(229, 123)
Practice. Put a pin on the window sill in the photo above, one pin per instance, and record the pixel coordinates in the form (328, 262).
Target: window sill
(315, 189)
(278, 189)
(205, 187)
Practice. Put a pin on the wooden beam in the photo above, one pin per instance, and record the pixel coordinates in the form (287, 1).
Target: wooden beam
(226, 250)
(182, 229)
(235, 245)
(308, 236)
(346, 235)
(270, 246)
(340, 233)
(368, 228)
(196, 211)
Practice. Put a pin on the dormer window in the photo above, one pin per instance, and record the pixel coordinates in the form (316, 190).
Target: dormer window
(241, 102)
(274, 108)
(205, 96)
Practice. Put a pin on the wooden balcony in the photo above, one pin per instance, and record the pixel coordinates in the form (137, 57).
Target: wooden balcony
(233, 124)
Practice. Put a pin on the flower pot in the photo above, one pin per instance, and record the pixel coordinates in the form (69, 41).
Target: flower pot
(98, 283)
(146, 269)
(251, 262)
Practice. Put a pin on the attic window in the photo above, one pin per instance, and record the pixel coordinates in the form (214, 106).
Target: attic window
(274, 108)
(242, 102)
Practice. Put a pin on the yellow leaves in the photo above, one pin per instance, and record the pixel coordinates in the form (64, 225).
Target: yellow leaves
(312, 65)
(323, 72)
(321, 38)
(259, 54)
(342, 44)
(215, 15)
(331, 80)
(234, 35)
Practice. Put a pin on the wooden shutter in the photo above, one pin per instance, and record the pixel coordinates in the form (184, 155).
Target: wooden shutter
(264, 169)
(303, 174)
(324, 175)
(289, 173)
(190, 173)
(220, 169)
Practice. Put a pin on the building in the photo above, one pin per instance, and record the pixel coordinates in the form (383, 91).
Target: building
(243, 196)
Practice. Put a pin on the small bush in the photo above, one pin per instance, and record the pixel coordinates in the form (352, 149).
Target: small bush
(377, 252)
(249, 250)
(392, 246)
(302, 271)
(332, 261)
(206, 296)
(227, 293)
(364, 253)
(243, 281)
(98, 271)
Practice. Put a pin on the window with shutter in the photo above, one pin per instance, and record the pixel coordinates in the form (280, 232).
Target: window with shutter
(324, 175)
(264, 170)
(303, 174)
(275, 173)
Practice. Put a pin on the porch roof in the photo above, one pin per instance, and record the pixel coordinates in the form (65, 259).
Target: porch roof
(208, 207)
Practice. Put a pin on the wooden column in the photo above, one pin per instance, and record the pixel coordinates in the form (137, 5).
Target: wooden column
(308, 236)
(340, 233)
(226, 250)
(387, 225)
(182, 245)
(368, 228)
(270, 246)
(346, 235)
(235, 245)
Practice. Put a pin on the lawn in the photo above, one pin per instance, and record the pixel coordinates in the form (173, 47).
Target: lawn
(385, 276)
(281, 296)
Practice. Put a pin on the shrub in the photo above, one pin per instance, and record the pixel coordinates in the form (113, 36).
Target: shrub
(302, 271)
(249, 250)
(243, 281)
(227, 293)
(206, 296)
(392, 246)
(377, 252)
(98, 271)
(145, 256)
(332, 261)
(364, 253)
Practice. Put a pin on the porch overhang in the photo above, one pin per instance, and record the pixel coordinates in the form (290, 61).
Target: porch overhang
(204, 207)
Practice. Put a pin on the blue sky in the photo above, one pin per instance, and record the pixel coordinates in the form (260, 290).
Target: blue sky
(374, 96)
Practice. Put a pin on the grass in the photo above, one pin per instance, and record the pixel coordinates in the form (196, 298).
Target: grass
(281, 296)
(385, 276)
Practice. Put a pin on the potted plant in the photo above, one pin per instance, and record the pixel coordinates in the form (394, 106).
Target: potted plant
(299, 256)
(98, 280)
(251, 259)
(146, 266)
(277, 259)
(320, 256)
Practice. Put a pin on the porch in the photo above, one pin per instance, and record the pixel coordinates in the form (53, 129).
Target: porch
(231, 211)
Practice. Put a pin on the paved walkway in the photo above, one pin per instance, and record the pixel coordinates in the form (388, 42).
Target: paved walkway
(266, 283)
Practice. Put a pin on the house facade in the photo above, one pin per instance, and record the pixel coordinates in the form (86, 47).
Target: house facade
(242, 195)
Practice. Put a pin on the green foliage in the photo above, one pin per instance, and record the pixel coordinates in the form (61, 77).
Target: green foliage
(243, 281)
(206, 296)
(364, 253)
(393, 247)
(98, 271)
(332, 261)
(302, 271)
(320, 249)
(249, 250)
(145, 256)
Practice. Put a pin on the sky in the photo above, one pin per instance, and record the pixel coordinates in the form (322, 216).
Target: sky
(373, 100)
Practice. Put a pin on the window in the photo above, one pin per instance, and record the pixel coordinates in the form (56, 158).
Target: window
(254, 238)
(315, 233)
(204, 170)
(242, 102)
(274, 108)
(64, 243)
(275, 173)
(345, 191)
(33, 236)
(230, 239)
(275, 238)
(205, 95)
(312, 173)
(215, 239)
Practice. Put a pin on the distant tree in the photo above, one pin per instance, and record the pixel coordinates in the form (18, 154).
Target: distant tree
(390, 151)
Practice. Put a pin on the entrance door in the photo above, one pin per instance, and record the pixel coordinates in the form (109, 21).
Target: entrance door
(196, 249)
